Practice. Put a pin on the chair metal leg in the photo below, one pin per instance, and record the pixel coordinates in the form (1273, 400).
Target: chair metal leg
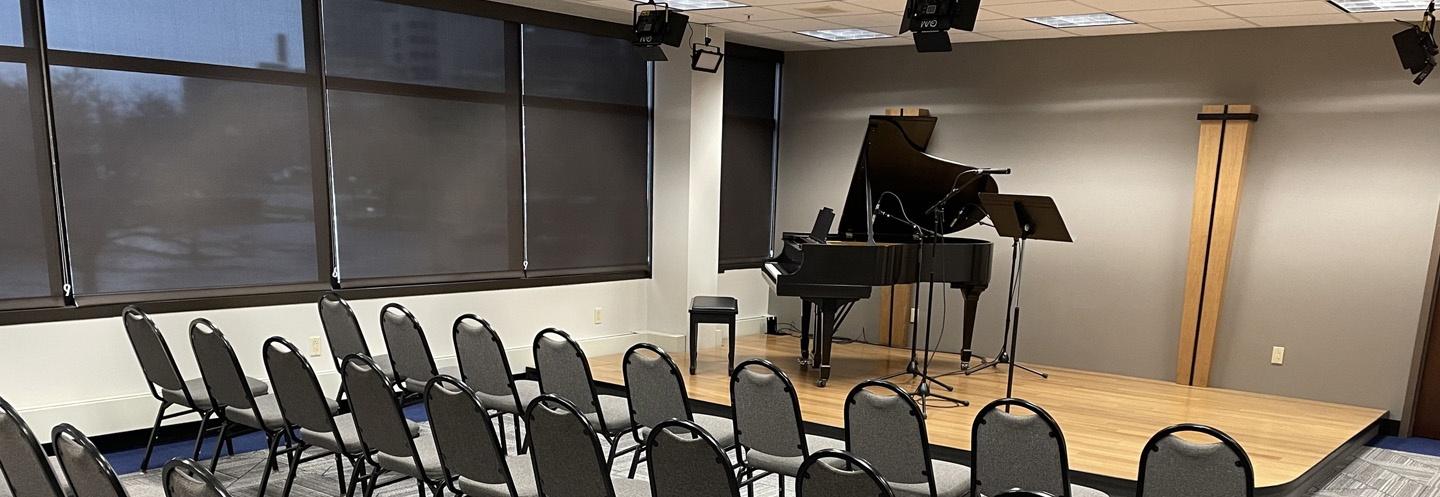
(503, 444)
(224, 428)
(782, 484)
(610, 459)
(295, 468)
(154, 432)
(635, 462)
(200, 435)
(370, 485)
(356, 464)
(272, 442)
(340, 471)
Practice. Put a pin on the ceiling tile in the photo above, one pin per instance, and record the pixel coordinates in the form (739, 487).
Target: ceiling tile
(1280, 9)
(745, 27)
(990, 26)
(867, 20)
(883, 42)
(1037, 9)
(891, 6)
(763, 3)
(804, 24)
(987, 14)
(1008, 2)
(1233, 2)
(1407, 16)
(823, 9)
(1306, 20)
(958, 36)
(1117, 29)
(1171, 15)
(750, 14)
(1123, 5)
(1204, 25)
(1030, 34)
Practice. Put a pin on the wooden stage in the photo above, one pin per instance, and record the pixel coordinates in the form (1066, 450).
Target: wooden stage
(1294, 444)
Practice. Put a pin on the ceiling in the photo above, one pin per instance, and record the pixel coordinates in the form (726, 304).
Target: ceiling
(773, 23)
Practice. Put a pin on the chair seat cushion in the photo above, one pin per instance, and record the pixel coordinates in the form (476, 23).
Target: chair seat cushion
(527, 389)
(202, 396)
(345, 424)
(789, 465)
(951, 480)
(522, 474)
(417, 385)
(270, 417)
(625, 487)
(429, 469)
(722, 429)
(1084, 491)
(704, 303)
(616, 411)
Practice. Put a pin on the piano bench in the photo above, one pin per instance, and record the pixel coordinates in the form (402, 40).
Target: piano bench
(712, 310)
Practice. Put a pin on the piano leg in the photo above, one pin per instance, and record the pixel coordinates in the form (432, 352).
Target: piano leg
(825, 337)
(972, 302)
(806, 308)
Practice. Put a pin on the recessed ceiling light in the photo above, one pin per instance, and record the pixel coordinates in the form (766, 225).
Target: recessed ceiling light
(701, 4)
(1080, 20)
(1379, 5)
(845, 34)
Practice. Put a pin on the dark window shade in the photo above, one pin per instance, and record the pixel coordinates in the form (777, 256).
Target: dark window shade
(29, 238)
(184, 183)
(368, 39)
(268, 34)
(587, 143)
(10, 33)
(747, 161)
(424, 186)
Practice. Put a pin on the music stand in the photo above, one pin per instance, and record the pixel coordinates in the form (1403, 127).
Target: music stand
(1020, 218)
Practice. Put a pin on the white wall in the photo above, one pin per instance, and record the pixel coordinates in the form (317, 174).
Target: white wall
(1336, 221)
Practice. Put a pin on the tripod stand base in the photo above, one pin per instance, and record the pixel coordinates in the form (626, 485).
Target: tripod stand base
(922, 394)
(913, 370)
(999, 360)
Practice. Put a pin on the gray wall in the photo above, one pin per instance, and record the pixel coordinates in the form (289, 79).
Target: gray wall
(1336, 221)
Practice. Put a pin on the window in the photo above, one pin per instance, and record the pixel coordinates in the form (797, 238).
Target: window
(10, 33)
(29, 249)
(177, 183)
(265, 34)
(427, 174)
(747, 157)
(587, 148)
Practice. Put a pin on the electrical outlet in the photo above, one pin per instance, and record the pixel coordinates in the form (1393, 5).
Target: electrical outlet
(316, 348)
(599, 315)
(1277, 355)
(912, 315)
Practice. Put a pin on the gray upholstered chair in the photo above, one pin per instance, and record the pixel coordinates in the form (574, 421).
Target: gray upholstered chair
(163, 378)
(304, 406)
(184, 478)
(1024, 451)
(471, 452)
(685, 461)
(1171, 466)
(884, 426)
(384, 432)
(22, 462)
(485, 368)
(89, 474)
(409, 350)
(343, 331)
(656, 391)
(566, 453)
(565, 372)
(769, 441)
(237, 405)
(836, 473)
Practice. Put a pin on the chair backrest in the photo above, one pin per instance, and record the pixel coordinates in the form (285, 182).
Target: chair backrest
(296, 389)
(483, 363)
(564, 450)
(156, 361)
(884, 426)
(765, 402)
(89, 474)
(405, 343)
(565, 371)
(184, 478)
(220, 369)
(468, 445)
(836, 473)
(378, 418)
(342, 330)
(1018, 450)
(685, 461)
(655, 387)
(22, 462)
(1171, 466)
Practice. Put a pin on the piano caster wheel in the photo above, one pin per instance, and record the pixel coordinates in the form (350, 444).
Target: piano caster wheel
(821, 383)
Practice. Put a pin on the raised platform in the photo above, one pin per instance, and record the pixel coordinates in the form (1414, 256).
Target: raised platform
(1294, 444)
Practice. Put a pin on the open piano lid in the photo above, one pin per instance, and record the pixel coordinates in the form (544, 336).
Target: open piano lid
(893, 159)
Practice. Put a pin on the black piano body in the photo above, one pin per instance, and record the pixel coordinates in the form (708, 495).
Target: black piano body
(829, 276)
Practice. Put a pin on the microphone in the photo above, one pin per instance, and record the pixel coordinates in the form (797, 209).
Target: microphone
(991, 170)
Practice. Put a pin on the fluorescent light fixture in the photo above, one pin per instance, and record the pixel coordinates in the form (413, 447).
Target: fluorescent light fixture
(1379, 5)
(845, 34)
(701, 4)
(1080, 20)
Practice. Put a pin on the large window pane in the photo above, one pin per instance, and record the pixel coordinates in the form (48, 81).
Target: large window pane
(586, 152)
(382, 41)
(10, 33)
(24, 261)
(175, 183)
(747, 160)
(423, 186)
(267, 34)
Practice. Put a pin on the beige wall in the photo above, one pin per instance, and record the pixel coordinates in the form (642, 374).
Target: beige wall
(1336, 220)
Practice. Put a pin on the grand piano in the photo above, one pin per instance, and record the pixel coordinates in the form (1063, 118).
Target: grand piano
(894, 180)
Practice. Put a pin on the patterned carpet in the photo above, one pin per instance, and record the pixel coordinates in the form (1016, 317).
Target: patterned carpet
(1386, 473)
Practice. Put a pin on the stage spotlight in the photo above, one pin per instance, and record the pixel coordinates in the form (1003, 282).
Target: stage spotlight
(931, 19)
(655, 25)
(1416, 45)
(705, 57)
